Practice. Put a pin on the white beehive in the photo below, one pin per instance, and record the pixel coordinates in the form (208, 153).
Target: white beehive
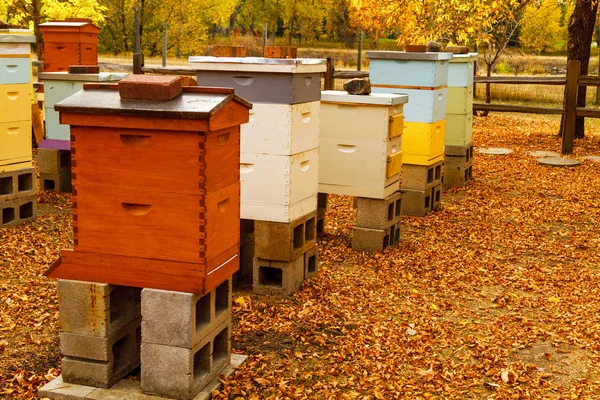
(360, 150)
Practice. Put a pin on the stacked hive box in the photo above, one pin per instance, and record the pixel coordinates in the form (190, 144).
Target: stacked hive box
(54, 155)
(423, 77)
(17, 175)
(71, 42)
(458, 168)
(157, 208)
(360, 154)
(279, 162)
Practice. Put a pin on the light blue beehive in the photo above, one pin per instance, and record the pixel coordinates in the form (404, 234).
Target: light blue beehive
(60, 85)
(460, 70)
(422, 76)
(14, 71)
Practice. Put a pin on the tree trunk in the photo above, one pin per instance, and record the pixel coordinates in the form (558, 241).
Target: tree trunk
(581, 30)
(37, 19)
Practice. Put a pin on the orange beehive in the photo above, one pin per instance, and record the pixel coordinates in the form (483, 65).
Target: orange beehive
(71, 42)
(156, 198)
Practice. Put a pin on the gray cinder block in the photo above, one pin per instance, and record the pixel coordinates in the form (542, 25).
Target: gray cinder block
(96, 309)
(183, 319)
(278, 277)
(311, 263)
(379, 214)
(181, 373)
(421, 177)
(283, 241)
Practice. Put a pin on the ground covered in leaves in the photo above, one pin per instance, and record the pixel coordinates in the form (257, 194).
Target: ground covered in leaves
(495, 296)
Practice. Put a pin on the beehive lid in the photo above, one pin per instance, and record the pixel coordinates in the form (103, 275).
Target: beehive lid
(258, 64)
(16, 36)
(382, 99)
(65, 76)
(193, 103)
(403, 56)
(69, 26)
(464, 58)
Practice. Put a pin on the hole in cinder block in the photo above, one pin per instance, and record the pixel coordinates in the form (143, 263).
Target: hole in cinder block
(138, 337)
(26, 210)
(438, 196)
(269, 276)
(221, 346)
(49, 184)
(398, 208)
(64, 159)
(471, 152)
(25, 182)
(222, 298)
(386, 241)
(438, 172)
(467, 153)
(390, 215)
(119, 303)
(6, 185)
(430, 175)
(246, 226)
(8, 215)
(202, 312)
(396, 234)
(312, 264)
(310, 230)
(202, 363)
(427, 202)
(120, 354)
(299, 236)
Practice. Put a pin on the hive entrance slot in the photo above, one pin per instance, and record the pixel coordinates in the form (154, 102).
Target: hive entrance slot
(135, 140)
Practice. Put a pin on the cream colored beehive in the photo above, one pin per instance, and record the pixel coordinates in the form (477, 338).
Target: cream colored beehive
(360, 150)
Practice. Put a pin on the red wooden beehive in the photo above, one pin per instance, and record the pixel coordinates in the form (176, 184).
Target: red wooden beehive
(71, 42)
(156, 190)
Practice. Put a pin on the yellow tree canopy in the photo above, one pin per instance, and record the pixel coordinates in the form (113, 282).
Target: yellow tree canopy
(418, 21)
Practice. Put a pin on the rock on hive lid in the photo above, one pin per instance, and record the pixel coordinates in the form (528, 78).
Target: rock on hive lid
(150, 87)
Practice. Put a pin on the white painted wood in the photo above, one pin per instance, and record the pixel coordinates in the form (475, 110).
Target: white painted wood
(258, 64)
(278, 213)
(360, 122)
(15, 48)
(273, 181)
(372, 193)
(281, 129)
(104, 77)
(355, 163)
(379, 99)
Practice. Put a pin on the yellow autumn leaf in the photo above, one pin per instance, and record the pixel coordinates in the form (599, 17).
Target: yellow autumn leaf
(240, 301)
(554, 299)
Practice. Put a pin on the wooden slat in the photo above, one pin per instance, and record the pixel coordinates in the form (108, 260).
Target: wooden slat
(522, 80)
(350, 74)
(170, 71)
(587, 80)
(588, 112)
(516, 109)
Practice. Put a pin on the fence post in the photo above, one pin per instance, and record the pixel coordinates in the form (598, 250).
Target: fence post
(329, 83)
(570, 115)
